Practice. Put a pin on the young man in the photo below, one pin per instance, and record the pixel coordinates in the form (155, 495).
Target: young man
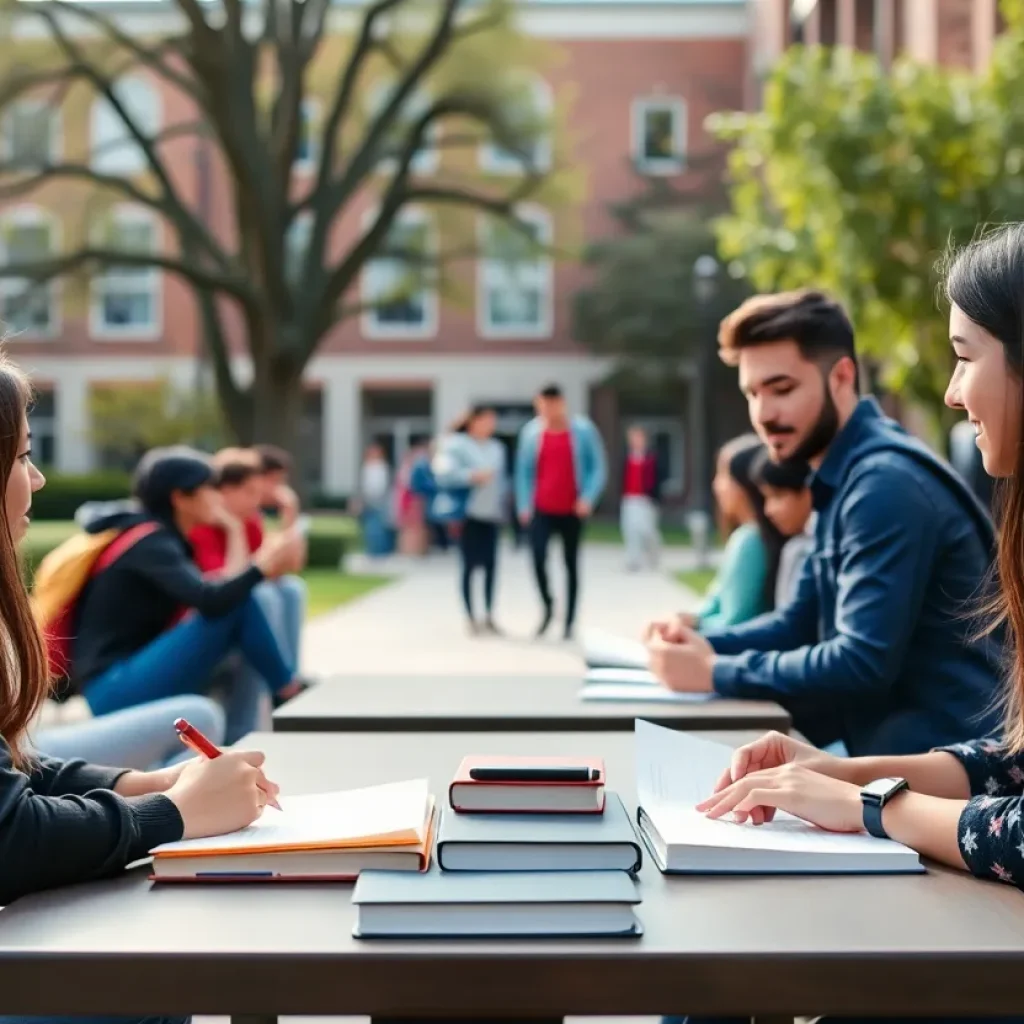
(641, 492)
(877, 649)
(227, 546)
(560, 473)
(278, 495)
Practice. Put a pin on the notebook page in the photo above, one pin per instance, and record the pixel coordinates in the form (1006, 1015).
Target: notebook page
(623, 676)
(640, 693)
(675, 769)
(337, 818)
(603, 648)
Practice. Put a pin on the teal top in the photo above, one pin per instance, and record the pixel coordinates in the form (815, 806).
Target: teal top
(738, 591)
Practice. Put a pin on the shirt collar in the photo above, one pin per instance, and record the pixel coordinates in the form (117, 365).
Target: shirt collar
(843, 449)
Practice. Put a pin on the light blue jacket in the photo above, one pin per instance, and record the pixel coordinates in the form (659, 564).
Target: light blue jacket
(588, 456)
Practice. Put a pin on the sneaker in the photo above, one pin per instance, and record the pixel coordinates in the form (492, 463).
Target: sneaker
(549, 613)
(491, 627)
(473, 628)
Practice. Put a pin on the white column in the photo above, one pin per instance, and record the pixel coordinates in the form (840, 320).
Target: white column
(452, 397)
(72, 426)
(342, 431)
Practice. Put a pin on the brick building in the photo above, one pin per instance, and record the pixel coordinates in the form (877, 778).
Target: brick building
(643, 76)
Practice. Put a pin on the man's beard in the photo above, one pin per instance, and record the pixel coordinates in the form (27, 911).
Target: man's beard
(822, 434)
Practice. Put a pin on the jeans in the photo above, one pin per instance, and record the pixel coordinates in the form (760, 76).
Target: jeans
(284, 604)
(478, 544)
(569, 528)
(183, 659)
(142, 737)
(95, 1020)
(638, 518)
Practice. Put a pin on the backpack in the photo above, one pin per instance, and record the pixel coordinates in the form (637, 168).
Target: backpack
(60, 580)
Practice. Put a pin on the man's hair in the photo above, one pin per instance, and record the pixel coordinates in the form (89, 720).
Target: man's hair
(274, 459)
(815, 321)
(162, 471)
(236, 466)
(551, 391)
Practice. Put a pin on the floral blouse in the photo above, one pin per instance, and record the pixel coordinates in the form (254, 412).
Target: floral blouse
(991, 834)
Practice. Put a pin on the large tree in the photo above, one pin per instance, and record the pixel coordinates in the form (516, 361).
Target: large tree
(400, 78)
(858, 178)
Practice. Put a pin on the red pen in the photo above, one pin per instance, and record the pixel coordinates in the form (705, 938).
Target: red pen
(196, 741)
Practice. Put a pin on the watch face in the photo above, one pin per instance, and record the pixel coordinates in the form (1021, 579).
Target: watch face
(880, 787)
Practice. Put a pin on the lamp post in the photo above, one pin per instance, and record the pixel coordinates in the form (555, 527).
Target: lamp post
(705, 285)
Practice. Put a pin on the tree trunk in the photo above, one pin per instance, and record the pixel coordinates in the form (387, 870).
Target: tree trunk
(276, 403)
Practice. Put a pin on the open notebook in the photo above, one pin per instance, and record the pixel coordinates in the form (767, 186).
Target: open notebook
(324, 835)
(675, 771)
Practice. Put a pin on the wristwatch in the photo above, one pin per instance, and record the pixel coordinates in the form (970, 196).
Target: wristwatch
(874, 796)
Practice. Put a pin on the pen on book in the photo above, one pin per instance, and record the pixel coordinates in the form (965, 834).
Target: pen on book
(498, 773)
(196, 741)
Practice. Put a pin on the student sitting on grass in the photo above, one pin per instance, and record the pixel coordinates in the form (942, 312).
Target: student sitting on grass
(131, 643)
(744, 584)
(227, 547)
(66, 822)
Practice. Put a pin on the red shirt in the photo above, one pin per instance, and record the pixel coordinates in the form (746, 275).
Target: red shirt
(556, 475)
(636, 476)
(210, 544)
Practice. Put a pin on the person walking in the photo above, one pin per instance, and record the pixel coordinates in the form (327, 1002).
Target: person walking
(641, 493)
(560, 474)
(472, 457)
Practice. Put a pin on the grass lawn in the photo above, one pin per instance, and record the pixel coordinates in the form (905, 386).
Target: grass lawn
(698, 580)
(328, 588)
(606, 531)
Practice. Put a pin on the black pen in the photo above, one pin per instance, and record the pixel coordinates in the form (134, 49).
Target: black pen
(513, 774)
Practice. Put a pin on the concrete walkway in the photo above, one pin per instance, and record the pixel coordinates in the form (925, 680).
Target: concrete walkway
(416, 624)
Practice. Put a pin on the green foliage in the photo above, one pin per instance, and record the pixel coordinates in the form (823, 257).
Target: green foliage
(858, 179)
(65, 493)
(127, 421)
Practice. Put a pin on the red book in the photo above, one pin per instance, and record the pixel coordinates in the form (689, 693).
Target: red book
(528, 797)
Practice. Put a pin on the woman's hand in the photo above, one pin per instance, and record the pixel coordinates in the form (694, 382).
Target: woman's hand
(823, 801)
(143, 783)
(775, 749)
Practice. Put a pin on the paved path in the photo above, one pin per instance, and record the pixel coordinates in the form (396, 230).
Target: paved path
(416, 624)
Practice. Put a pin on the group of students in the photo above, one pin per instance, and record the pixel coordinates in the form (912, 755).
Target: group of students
(874, 648)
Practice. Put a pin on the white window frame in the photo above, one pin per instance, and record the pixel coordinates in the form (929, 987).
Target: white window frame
(124, 156)
(31, 216)
(56, 119)
(680, 128)
(494, 160)
(428, 158)
(371, 327)
(311, 114)
(152, 331)
(487, 268)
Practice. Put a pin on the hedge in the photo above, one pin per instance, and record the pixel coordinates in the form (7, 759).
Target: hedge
(65, 493)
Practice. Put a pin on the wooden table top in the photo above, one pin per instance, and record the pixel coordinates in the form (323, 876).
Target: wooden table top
(396, 703)
(915, 944)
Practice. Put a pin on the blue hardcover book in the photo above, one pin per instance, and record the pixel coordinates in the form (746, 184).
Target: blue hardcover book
(540, 842)
(535, 904)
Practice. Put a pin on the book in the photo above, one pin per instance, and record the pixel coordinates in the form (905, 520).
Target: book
(540, 842)
(320, 836)
(675, 771)
(468, 794)
(606, 650)
(536, 904)
(636, 691)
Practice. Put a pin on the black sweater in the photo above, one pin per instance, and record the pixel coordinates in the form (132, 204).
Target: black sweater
(127, 606)
(61, 824)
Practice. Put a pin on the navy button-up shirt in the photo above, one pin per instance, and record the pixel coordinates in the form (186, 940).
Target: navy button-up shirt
(878, 646)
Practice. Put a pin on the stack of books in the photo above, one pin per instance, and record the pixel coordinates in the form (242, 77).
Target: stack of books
(526, 847)
(323, 837)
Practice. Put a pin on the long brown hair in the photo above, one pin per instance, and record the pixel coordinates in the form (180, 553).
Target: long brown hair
(986, 281)
(24, 676)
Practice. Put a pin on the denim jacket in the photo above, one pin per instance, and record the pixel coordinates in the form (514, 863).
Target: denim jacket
(877, 647)
(588, 456)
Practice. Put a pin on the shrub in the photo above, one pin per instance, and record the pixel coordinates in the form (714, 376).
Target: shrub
(64, 493)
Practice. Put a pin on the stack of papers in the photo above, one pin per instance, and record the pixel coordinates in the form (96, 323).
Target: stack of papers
(326, 836)
(676, 771)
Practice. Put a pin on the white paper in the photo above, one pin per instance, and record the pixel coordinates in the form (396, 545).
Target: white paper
(636, 677)
(640, 694)
(607, 649)
(339, 817)
(675, 769)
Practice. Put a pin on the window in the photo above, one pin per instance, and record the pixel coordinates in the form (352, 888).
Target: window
(31, 134)
(307, 148)
(515, 278)
(406, 305)
(114, 151)
(296, 245)
(397, 134)
(528, 123)
(42, 421)
(28, 307)
(659, 135)
(126, 298)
